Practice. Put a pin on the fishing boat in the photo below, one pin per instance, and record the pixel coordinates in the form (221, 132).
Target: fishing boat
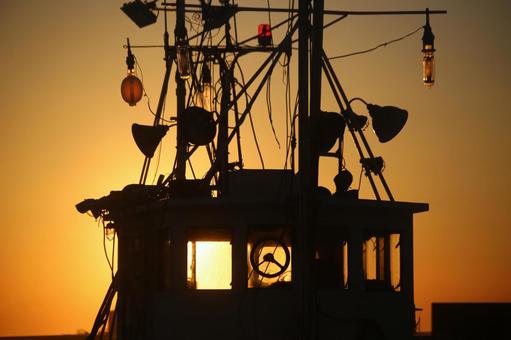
(257, 253)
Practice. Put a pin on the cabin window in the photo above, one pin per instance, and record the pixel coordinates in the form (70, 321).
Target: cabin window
(395, 262)
(269, 258)
(164, 260)
(209, 260)
(331, 263)
(382, 261)
(345, 281)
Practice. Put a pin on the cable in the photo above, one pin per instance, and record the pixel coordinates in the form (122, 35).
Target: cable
(378, 46)
(247, 99)
(269, 108)
(146, 94)
(110, 264)
(157, 162)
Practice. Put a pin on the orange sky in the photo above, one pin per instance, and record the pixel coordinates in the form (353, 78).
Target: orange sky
(65, 136)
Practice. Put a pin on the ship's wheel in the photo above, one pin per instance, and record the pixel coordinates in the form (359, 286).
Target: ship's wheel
(267, 264)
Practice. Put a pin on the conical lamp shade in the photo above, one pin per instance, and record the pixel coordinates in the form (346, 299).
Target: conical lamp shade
(148, 137)
(387, 121)
(328, 127)
(357, 121)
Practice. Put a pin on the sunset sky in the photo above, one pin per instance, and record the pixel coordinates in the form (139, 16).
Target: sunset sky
(66, 135)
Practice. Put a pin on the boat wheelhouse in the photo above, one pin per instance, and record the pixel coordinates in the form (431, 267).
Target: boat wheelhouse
(256, 253)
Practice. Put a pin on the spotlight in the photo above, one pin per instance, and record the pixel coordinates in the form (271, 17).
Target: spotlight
(147, 137)
(328, 128)
(199, 125)
(388, 121)
(217, 16)
(140, 12)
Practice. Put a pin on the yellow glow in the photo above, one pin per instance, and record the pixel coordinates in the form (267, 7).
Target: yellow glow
(255, 280)
(65, 136)
(213, 265)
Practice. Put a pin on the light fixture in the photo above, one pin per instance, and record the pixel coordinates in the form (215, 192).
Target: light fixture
(328, 128)
(264, 37)
(374, 165)
(147, 137)
(216, 16)
(141, 13)
(428, 59)
(198, 125)
(357, 122)
(343, 181)
(387, 121)
(183, 59)
(203, 97)
(131, 86)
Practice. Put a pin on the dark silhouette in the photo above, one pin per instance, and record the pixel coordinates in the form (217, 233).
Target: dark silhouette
(306, 264)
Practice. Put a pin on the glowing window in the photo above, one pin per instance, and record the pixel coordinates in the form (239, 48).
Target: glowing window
(209, 264)
(269, 258)
(269, 264)
(395, 261)
(382, 262)
(345, 264)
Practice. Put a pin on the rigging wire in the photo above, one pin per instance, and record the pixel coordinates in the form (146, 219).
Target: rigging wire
(269, 109)
(378, 46)
(157, 162)
(110, 262)
(252, 127)
(147, 95)
(269, 12)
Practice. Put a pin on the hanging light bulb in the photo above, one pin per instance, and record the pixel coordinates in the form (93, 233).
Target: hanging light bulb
(183, 60)
(131, 86)
(428, 59)
(204, 95)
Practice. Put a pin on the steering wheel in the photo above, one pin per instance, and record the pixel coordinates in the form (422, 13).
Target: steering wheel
(262, 267)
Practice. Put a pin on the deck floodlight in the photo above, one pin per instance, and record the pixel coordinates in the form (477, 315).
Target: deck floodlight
(141, 13)
(328, 128)
(428, 50)
(217, 16)
(387, 121)
(147, 137)
(357, 122)
(199, 125)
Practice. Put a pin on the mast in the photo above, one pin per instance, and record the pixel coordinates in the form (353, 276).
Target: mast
(180, 32)
(305, 180)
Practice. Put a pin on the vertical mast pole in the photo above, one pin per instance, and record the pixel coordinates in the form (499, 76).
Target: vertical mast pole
(223, 121)
(304, 161)
(180, 33)
(315, 106)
